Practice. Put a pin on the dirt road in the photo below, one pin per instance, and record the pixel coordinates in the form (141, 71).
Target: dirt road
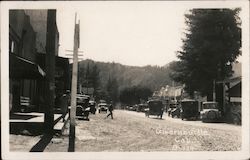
(132, 131)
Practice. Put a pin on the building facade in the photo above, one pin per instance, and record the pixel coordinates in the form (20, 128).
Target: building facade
(24, 71)
(28, 42)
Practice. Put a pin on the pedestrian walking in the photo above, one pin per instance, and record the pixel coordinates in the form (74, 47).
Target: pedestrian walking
(64, 103)
(110, 109)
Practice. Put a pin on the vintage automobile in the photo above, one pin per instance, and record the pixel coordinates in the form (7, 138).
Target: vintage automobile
(132, 108)
(82, 108)
(189, 109)
(82, 99)
(102, 106)
(141, 107)
(210, 112)
(92, 105)
(127, 107)
(155, 107)
(174, 109)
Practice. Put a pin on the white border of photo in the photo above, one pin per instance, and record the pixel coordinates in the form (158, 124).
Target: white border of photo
(6, 154)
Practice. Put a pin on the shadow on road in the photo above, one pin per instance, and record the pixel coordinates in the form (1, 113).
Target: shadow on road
(72, 139)
(42, 144)
(156, 118)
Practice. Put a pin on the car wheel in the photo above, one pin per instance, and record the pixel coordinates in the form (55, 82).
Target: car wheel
(211, 115)
(236, 119)
(205, 120)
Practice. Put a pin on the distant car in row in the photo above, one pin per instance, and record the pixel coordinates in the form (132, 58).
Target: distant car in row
(141, 107)
(137, 107)
(102, 106)
(190, 110)
(155, 107)
(131, 107)
(210, 112)
(86, 106)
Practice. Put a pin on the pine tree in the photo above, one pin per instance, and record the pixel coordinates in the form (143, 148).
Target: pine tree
(212, 43)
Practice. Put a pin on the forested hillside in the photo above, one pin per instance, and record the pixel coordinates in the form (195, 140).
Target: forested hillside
(115, 76)
(153, 77)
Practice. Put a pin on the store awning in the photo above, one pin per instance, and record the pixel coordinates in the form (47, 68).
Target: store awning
(21, 68)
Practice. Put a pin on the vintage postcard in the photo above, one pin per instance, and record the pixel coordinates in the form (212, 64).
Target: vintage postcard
(125, 80)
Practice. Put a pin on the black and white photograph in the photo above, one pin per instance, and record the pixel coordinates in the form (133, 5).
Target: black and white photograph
(125, 80)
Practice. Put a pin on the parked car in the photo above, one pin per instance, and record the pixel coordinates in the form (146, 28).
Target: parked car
(82, 99)
(142, 107)
(190, 109)
(102, 107)
(82, 108)
(155, 107)
(92, 105)
(132, 107)
(79, 110)
(82, 112)
(127, 107)
(210, 112)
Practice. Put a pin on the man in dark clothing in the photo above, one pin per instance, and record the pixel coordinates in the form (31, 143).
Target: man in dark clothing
(65, 103)
(110, 111)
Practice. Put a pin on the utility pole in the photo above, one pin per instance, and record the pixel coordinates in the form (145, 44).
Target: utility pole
(70, 56)
(50, 72)
(74, 89)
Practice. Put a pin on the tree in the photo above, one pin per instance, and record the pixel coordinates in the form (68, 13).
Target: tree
(94, 77)
(211, 45)
(134, 94)
(81, 76)
(89, 77)
(112, 89)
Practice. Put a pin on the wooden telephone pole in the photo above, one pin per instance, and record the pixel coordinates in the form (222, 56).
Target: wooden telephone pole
(50, 72)
(74, 89)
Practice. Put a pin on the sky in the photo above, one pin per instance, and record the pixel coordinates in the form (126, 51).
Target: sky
(130, 33)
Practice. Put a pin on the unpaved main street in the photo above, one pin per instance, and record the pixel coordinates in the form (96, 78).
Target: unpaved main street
(132, 131)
